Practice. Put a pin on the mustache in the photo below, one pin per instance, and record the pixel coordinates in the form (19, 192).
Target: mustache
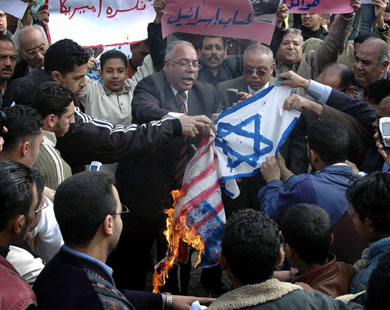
(213, 57)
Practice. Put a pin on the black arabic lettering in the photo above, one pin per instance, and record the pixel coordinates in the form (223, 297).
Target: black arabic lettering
(241, 22)
(221, 22)
(293, 5)
(170, 21)
(216, 18)
(195, 22)
(310, 5)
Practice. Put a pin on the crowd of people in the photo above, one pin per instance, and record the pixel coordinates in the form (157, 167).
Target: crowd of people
(310, 231)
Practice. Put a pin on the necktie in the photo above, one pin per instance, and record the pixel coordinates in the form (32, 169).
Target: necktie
(181, 97)
(183, 157)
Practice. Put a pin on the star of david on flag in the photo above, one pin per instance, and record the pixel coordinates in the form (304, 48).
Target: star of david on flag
(249, 132)
(245, 135)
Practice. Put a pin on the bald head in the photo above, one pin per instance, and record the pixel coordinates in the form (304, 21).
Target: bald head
(32, 45)
(371, 61)
(338, 76)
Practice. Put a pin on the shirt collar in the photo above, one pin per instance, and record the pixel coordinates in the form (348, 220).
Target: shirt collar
(89, 258)
(125, 89)
(50, 138)
(175, 91)
(254, 91)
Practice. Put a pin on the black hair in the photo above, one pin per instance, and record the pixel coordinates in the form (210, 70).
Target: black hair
(22, 122)
(307, 228)
(363, 36)
(6, 38)
(224, 41)
(370, 197)
(63, 56)
(377, 90)
(16, 191)
(377, 294)
(329, 139)
(250, 244)
(112, 54)
(346, 74)
(52, 98)
(39, 182)
(81, 203)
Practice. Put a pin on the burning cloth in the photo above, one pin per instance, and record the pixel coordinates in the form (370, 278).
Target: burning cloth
(245, 135)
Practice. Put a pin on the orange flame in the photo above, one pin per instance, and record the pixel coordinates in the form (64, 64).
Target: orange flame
(174, 234)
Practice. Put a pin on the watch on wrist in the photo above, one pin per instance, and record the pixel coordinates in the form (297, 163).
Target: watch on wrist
(384, 28)
(168, 301)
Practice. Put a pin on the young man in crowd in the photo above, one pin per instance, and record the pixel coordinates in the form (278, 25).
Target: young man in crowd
(369, 206)
(89, 213)
(55, 104)
(307, 238)
(112, 99)
(250, 253)
(17, 205)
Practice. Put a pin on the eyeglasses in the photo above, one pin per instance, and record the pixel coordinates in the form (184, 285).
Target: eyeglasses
(41, 49)
(258, 71)
(293, 31)
(185, 64)
(2, 15)
(45, 205)
(125, 210)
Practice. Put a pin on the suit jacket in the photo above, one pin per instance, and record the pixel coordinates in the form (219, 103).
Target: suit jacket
(238, 83)
(365, 116)
(144, 184)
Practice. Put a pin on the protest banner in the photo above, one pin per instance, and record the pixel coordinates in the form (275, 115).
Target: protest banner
(319, 6)
(15, 7)
(100, 22)
(236, 19)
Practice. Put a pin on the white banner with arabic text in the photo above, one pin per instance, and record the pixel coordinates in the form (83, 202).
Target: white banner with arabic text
(100, 22)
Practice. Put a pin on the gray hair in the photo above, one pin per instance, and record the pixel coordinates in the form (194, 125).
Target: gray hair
(260, 49)
(171, 47)
(384, 48)
(17, 39)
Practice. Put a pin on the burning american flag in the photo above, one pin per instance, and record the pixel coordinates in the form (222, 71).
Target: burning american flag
(244, 136)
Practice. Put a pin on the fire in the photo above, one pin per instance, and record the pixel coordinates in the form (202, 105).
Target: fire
(175, 235)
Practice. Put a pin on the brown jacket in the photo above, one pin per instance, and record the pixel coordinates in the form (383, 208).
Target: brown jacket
(331, 279)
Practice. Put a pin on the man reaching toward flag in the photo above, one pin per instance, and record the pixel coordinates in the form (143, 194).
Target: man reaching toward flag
(144, 184)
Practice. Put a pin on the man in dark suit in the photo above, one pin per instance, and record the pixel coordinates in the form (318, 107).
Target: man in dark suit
(144, 184)
(257, 74)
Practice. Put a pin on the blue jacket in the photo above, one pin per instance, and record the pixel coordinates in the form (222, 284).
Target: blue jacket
(325, 188)
(375, 252)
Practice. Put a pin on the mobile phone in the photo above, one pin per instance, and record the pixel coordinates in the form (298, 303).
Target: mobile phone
(232, 94)
(95, 166)
(384, 131)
